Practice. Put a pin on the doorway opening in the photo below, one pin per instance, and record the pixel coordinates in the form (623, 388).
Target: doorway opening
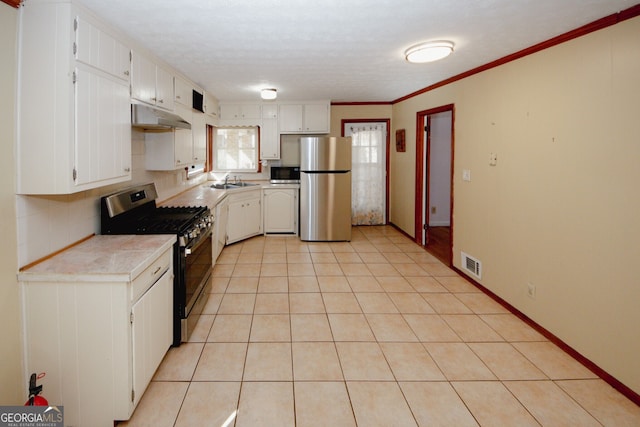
(370, 165)
(434, 181)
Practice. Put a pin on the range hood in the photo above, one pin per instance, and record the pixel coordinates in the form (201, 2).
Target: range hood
(149, 118)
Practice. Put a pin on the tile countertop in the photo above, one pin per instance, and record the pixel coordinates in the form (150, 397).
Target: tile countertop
(201, 195)
(101, 259)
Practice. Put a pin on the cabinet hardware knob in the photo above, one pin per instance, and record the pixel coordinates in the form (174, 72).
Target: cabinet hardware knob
(126, 73)
(127, 169)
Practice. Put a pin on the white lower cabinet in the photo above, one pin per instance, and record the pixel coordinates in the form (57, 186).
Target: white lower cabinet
(280, 210)
(222, 215)
(99, 340)
(151, 336)
(245, 215)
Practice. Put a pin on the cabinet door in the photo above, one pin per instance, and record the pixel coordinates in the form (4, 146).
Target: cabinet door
(164, 89)
(183, 92)
(269, 141)
(143, 79)
(316, 118)
(270, 111)
(250, 111)
(151, 332)
(183, 149)
(240, 111)
(210, 105)
(236, 224)
(221, 227)
(229, 111)
(103, 128)
(290, 117)
(253, 217)
(245, 216)
(100, 50)
(279, 210)
(199, 129)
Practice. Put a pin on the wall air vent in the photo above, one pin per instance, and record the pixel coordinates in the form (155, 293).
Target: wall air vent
(471, 265)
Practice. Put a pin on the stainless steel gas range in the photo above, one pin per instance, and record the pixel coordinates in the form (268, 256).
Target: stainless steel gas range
(134, 211)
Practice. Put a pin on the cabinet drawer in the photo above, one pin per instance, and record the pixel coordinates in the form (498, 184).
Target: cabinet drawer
(149, 276)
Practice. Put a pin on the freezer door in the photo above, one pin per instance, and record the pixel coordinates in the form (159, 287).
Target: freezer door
(325, 206)
(325, 154)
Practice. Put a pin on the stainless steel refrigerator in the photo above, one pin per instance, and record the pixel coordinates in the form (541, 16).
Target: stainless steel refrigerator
(325, 189)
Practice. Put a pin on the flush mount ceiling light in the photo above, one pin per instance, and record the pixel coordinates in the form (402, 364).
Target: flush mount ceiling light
(429, 51)
(268, 94)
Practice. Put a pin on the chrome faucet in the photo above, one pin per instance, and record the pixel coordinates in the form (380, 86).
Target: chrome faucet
(226, 179)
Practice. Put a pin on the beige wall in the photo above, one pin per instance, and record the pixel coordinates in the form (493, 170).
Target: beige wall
(11, 388)
(561, 208)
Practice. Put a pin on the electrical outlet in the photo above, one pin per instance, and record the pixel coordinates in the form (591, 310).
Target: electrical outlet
(433, 209)
(531, 290)
(466, 175)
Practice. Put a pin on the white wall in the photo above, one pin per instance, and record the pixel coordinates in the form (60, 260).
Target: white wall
(561, 208)
(11, 387)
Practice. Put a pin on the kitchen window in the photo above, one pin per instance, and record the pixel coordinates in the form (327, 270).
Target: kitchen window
(235, 149)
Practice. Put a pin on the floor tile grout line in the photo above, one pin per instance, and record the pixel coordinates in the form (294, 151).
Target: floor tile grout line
(400, 312)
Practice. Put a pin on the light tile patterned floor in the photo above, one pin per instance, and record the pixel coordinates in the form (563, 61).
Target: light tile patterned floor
(375, 332)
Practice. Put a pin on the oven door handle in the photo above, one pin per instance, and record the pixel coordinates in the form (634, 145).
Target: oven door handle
(189, 249)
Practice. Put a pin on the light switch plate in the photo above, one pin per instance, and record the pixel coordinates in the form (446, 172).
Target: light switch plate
(466, 175)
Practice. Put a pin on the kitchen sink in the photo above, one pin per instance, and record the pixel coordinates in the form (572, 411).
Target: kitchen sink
(223, 186)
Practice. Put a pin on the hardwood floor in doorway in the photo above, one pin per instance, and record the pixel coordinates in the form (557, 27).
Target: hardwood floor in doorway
(440, 243)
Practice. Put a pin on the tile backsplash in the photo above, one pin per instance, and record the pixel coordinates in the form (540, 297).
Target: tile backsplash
(47, 224)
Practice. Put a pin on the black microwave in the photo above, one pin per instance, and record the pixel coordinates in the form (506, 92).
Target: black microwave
(285, 174)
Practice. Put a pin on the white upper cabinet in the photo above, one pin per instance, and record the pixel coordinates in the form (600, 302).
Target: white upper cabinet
(304, 118)
(74, 114)
(151, 83)
(183, 92)
(164, 88)
(291, 118)
(172, 149)
(210, 105)
(99, 49)
(102, 130)
(245, 113)
(199, 130)
(269, 138)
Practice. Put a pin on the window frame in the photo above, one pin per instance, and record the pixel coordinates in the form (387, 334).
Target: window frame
(212, 150)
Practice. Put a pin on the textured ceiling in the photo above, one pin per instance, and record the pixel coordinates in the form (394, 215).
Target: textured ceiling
(342, 50)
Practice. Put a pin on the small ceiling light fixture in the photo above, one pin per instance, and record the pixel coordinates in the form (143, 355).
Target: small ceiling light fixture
(268, 94)
(428, 51)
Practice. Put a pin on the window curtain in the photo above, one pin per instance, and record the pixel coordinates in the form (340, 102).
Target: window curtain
(368, 173)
